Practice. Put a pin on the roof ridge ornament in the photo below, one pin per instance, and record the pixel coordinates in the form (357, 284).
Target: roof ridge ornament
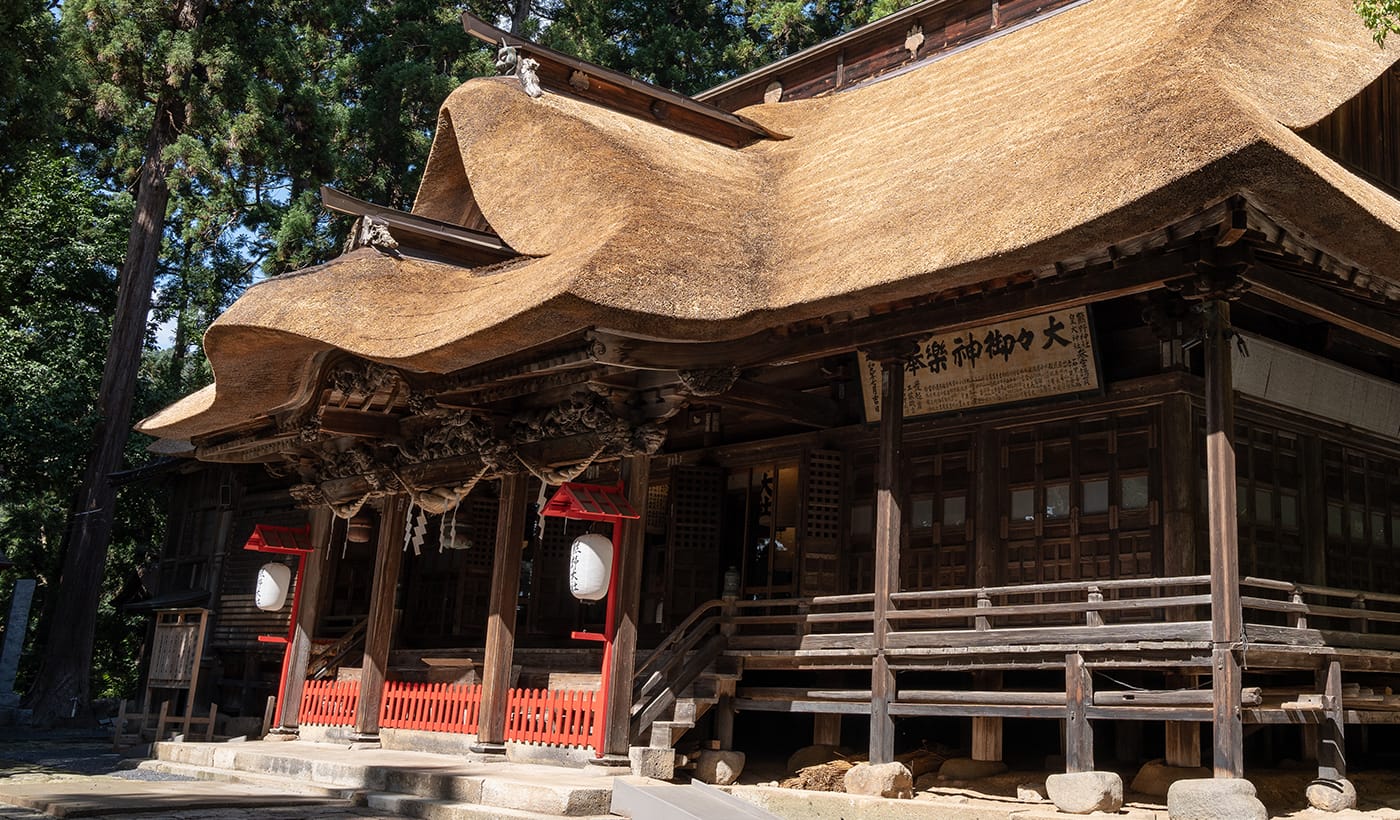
(374, 233)
(510, 63)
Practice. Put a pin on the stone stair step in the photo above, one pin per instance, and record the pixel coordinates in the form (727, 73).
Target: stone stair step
(428, 808)
(271, 782)
(529, 788)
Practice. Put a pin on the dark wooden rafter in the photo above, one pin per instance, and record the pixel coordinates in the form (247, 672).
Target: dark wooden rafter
(563, 74)
(438, 238)
(789, 405)
(1365, 318)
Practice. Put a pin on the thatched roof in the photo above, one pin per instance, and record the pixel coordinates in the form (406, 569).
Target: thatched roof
(1108, 121)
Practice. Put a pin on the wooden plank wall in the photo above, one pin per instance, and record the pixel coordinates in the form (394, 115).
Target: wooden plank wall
(1364, 133)
(881, 49)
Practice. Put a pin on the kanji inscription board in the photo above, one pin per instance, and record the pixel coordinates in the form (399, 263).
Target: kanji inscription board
(1051, 354)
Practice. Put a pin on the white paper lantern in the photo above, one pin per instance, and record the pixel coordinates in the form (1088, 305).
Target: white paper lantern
(273, 581)
(590, 567)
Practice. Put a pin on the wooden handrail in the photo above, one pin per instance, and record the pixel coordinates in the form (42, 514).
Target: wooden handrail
(1064, 586)
(1066, 607)
(1314, 589)
(676, 635)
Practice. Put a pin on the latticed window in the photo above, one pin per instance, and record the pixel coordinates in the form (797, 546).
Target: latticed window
(940, 524)
(1362, 519)
(1079, 499)
(1269, 474)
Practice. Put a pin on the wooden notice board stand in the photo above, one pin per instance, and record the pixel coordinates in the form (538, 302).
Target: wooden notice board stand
(176, 649)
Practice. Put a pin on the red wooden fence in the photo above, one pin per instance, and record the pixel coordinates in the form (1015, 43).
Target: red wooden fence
(329, 702)
(553, 717)
(431, 707)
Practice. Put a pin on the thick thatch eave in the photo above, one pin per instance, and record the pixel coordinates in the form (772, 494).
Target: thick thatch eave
(1103, 123)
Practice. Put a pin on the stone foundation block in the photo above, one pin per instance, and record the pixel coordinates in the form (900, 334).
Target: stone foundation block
(1033, 792)
(1214, 799)
(1332, 795)
(719, 768)
(1155, 777)
(880, 780)
(658, 764)
(965, 768)
(1085, 792)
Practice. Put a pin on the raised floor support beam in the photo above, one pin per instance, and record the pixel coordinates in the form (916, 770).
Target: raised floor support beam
(1079, 734)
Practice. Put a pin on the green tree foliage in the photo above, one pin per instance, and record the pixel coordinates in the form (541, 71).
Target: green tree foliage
(57, 290)
(686, 45)
(1381, 16)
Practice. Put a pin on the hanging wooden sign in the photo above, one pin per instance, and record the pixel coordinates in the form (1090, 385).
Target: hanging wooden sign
(1051, 354)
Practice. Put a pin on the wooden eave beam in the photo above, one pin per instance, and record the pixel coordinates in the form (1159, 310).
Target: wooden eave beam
(767, 347)
(476, 246)
(789, 405)
(249, 450)
(563, 74)
(359, 424)
(1323, 303)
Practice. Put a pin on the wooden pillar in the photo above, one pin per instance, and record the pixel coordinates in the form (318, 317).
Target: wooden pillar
(826, 729)
(379, 628)
(636, 474)
(987, 731)
(990, 561)
(1226, 616)
(1183, 738)
(889, 519)
(313, 571)
(1331, 746)
(1079, 734)
(500, 618)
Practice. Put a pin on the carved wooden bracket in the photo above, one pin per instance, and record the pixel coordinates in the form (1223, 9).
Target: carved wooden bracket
(902, 349)
(707, 383)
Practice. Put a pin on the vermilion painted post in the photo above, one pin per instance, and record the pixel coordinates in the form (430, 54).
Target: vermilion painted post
(600, 720)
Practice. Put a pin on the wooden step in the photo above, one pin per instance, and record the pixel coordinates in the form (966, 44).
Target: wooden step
(665, 733)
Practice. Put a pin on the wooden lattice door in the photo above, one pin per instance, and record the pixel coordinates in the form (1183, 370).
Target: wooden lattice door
(820, 538)
(693, 573)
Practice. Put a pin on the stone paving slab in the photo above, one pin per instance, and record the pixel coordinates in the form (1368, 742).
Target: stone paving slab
(105, 796)
(526, 787)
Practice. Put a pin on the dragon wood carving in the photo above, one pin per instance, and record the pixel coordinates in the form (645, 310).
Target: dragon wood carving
(461, 434)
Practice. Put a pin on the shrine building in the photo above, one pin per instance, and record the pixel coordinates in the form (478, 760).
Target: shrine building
(998, 370)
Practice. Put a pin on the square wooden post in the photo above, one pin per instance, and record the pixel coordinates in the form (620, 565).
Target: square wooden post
(987, 731)
(636, 475)
(500, 619)
(889, 521)
(379, 628)
(1226, 615)
(826, 729)
(1183, 738)
(1331, 746)
(313, 572)
(1079, 734)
